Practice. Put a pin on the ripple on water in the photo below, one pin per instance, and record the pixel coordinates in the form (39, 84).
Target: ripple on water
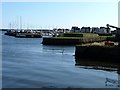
(27, 63)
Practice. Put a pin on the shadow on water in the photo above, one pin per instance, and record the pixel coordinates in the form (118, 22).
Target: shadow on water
(98, 65)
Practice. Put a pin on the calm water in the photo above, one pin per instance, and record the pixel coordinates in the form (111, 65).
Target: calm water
(26, 63)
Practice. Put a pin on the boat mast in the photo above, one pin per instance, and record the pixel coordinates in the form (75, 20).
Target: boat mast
(27, 26)
(10, 26)
(20, 23)
(17, 24)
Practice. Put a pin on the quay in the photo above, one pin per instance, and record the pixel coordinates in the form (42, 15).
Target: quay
(73, 39)
(106, 51)
(60, 41)
(99, 53)
(84, 35)
(69, 41)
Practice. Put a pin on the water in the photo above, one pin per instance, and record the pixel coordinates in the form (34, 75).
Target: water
(26, 63)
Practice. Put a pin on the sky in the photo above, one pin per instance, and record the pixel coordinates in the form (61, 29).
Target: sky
(119, 14)
(59, 14)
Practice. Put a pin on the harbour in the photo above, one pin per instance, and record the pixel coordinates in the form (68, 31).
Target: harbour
(60, 45)
(49, 66)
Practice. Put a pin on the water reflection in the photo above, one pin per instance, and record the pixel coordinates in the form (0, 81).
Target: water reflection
(98, 65)
(108, 66)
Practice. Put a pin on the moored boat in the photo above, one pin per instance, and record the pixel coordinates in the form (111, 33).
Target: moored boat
(28, 35)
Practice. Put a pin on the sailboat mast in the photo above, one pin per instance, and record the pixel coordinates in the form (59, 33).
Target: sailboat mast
(20, 23)
(17, 24)
(10, 26)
